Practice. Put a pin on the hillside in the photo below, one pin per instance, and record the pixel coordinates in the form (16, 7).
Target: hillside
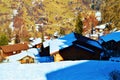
(56, 15)
(60, 13)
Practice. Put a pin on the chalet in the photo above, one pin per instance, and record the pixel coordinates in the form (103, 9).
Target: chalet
(23, 57)
(43, 56)
(43, 52)
(8, 50)
(111, 44)
(99, 31)
(75, 47)
(43, 47)
(29, 56)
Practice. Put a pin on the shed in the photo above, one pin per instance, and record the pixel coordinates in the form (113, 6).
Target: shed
(75, 47)
(8, 50)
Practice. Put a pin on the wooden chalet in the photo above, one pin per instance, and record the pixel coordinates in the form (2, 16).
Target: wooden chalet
(23, 57)
(8, 50)
(75, 47)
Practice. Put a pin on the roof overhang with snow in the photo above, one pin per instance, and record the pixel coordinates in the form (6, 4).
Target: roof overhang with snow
(61, 43)
(68, 40)
(19, 56)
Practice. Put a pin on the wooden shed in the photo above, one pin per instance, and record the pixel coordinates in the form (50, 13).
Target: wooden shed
(75, 47)
(8, 50)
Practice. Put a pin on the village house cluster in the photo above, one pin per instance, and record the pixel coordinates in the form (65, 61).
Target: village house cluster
(68, 47)
(72, 46)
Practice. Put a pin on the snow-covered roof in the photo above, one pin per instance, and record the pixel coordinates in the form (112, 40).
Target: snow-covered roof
(46, 43)
(15, 12)
(88, 44)
(111, 36)
(101, 26)
(60, 43)
(94, 43)
(36, 41)
(94, 35)
(98, 15)
(64, 70)
(19, 56)
(68, 40)
(118, 31)
(31, 38)
(33, 51)
(56, 33)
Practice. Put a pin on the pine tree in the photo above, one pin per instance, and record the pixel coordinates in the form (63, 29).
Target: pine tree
(17, 39)
(79, 25)
(3, 39)
(62, 31)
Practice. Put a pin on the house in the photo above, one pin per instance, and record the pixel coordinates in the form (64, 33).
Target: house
(43, 52)
(99, 31)
(29, 56)
(43, 47)
(41, 57)
(23, 57)
(75, 47)
(8, 50)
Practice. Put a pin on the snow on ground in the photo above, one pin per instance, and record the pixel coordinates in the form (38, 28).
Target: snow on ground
(65, 70)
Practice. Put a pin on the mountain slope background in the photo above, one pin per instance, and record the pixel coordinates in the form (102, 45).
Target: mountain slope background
(21, 16)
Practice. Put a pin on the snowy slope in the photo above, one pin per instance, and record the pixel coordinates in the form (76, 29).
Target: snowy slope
(66, 70)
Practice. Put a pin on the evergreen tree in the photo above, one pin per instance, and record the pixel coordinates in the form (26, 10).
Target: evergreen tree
(17, 39)
(62, 31)
(79, 25)
(3, 40)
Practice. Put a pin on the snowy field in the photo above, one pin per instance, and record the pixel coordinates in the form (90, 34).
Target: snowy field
(66, 70)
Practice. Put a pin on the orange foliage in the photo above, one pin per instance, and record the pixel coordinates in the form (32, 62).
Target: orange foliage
(18, 22)
(89, 22)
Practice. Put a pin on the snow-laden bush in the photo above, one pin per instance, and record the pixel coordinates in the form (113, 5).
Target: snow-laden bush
(114, 75)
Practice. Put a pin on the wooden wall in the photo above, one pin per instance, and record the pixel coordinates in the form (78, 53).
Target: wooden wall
(75, 53)
(26, 59)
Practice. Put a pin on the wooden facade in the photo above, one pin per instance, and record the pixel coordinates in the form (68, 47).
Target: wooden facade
(75, 53)
(26, 60)
(23, 57)
(9, 50)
